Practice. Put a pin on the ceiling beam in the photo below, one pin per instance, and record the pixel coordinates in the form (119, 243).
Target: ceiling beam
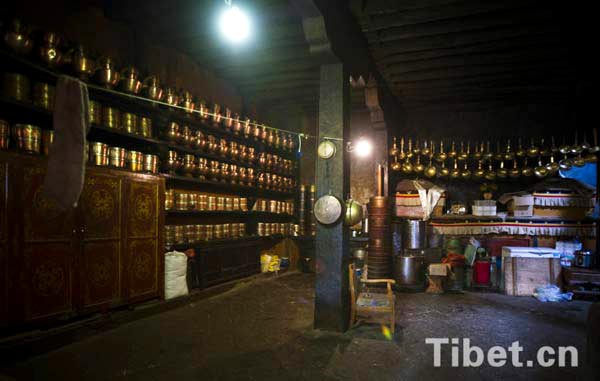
(477, 70)
(277, 78)
(442, 12)
(453, 40)
(492, 58)
(548, 41)
(463, 24)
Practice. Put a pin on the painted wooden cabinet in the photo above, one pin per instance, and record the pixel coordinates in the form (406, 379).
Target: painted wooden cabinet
(56, 264)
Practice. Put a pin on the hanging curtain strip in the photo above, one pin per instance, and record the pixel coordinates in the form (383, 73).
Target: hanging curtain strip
(132, 96)
(546, 229)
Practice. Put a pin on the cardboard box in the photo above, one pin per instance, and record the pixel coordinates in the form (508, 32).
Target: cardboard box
(521, 206)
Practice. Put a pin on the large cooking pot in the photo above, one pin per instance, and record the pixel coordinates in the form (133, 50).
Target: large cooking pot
(409, 270)
(354, 212)
(414, 234)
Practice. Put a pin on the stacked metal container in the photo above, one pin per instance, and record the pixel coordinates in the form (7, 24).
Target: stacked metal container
(302, 210)
(380, 238)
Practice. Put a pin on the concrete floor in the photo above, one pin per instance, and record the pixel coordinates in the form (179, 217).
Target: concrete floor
(262, 331)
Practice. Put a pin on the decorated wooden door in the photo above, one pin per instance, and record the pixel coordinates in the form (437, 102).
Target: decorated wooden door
(143, 246)
(45, 275)
(100, 258)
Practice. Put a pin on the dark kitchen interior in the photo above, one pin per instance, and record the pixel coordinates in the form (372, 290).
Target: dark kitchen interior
(298, 189)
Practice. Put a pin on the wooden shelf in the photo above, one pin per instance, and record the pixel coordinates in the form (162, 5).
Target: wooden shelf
(471, 218)
(229, 243)
(227, 187)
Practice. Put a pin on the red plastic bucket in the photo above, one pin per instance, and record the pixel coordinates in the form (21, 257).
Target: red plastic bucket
(481, 275)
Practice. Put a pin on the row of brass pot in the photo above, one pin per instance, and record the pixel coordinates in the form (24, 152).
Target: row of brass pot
(488, 170)
(270, 228)
(101, 154)
(179, 200)
(190, 165)
(182, 234)
(18, 87)
(129, 79)
(274, 206)
(124, 121)
(189, 137)
(26, 138)
(483, 151)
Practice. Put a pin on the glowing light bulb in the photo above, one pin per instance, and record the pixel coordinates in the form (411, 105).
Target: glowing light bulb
(363, 148)
(234, 24)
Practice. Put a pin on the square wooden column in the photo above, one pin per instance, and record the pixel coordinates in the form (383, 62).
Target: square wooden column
(333, 177)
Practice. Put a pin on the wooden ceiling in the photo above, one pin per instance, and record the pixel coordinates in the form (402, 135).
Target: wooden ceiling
(273, 68)
(456, 52)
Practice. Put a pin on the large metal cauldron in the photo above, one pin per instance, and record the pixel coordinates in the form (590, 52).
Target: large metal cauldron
(414, 235)
(409, 270)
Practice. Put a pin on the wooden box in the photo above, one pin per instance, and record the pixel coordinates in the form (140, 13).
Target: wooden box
(522, 275)
(562, 212)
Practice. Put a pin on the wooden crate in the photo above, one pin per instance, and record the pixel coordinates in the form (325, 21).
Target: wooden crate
(567, 213)
(522, 275)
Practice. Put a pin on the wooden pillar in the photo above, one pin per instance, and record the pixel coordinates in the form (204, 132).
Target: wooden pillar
(332, 177)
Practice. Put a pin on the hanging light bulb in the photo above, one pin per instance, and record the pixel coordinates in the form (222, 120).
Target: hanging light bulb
(234, 24)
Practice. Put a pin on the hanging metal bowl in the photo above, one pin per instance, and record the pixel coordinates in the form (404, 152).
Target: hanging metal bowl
(328, 209)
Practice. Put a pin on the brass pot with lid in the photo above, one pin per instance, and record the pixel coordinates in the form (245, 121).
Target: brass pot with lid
(106, 73)
(130, 81)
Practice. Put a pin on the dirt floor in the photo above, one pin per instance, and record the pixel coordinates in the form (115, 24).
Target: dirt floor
(262, 330)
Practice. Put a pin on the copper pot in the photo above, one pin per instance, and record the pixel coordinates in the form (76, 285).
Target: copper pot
(233, 174)
(256, 131)
(215, 171)
(203, 168)
(47, 141)
(264, 134)
(187, 102)
(16, 86)
(223, 148)
(224, 171)
(129, 122)
(226, 119)
(117, 156)
(172, 134)
(250, 176)
(49, 52)
(237, 124)
(291, 144)
(169, 199)
(43, 95)
(145, 127)
(189, 164)
(98, 153)
(130, 82)
(251, 156)
(106, 73)
(111, 117)
(95, 111)
(203, 110)
(216, 117)
(185, 136)
(81, 64)
(151, 88)
(278, 140)
(28, 137)
(172, 163)
(234, 150)
(171, 96)
(212, 144)
(242, 153)
(4, 134)
(151, 163)
(262, 159)
(242, 175)
(262, 180)
(247, 128)
(201, 140)
(17, 38)
(135, 161)
(270, 138)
